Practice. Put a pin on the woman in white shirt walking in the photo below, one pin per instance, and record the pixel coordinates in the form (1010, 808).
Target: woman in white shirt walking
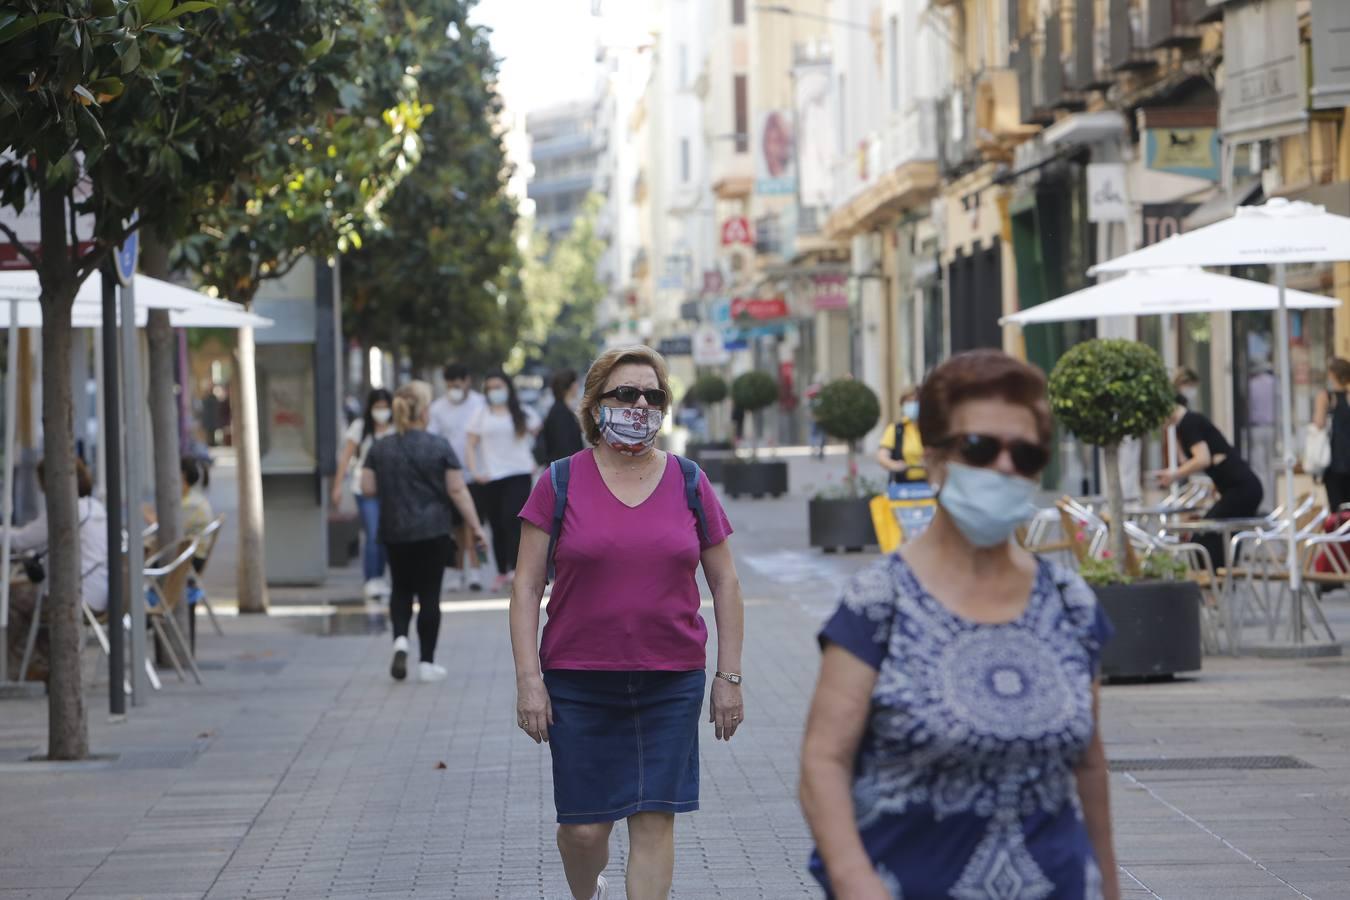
(361, 434)
(501, 459)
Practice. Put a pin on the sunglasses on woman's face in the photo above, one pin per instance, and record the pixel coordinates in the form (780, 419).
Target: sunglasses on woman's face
(982, 451)
(656, 398)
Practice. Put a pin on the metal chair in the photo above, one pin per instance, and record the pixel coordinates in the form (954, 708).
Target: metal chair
(206, 544)
(166, 573)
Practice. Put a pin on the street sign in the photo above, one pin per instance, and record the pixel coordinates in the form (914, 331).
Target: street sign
(736, 231)
(759, 308)
(125, 256)
(682, 345)
(709, 348)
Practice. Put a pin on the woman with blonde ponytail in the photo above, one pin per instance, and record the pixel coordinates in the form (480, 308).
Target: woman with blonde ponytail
(417, 477)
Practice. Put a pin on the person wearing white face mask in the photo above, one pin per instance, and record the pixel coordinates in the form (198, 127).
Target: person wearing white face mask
(356, 444)
(500, 459)
(953, 740)
(616, 685)
(451, 414)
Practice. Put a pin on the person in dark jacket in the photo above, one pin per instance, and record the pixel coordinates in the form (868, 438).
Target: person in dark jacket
(1331, 410)
(561, 435)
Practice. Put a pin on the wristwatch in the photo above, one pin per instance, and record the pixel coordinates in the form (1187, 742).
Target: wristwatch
(733, 677)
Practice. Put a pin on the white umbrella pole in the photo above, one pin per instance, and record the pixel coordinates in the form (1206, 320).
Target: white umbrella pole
(133, 402)
(7, 501)
(1287, 437)
(1170, 361)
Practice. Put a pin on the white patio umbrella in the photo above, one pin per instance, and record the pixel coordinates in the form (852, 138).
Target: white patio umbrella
(1276, 233)
(1157, 292)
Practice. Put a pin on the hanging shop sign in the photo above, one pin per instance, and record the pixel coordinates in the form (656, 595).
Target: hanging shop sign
(758, 308)
(1183, 151)
(1264, 85)
(1163, 220)
(1106, 193)
(680, 345)
(709, 348)
(829, 292)
(775, 167)
(736, 232)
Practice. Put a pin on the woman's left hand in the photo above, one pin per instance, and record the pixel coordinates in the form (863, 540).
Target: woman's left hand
(727, 709)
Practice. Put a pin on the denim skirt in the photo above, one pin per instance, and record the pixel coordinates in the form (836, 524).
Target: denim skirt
(623, 743)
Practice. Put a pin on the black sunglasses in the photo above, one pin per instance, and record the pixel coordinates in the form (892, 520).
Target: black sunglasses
(981, 450)
(626, 393)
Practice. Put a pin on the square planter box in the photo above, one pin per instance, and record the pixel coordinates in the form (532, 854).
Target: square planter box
(844, 524)
(1157, 628)
(711, 457)
(755, 479)
(344, 540)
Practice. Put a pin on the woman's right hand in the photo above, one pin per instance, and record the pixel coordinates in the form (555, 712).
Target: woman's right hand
(335, 499)
(534, 712)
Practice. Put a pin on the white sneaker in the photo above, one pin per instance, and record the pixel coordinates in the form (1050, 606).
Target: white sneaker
(371, 589)
(383, 587)
(429, 672)
(601, 888)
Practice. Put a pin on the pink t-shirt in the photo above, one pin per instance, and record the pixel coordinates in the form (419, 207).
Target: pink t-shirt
(625, 596)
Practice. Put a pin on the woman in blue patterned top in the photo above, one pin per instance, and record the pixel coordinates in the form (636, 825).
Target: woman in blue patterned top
(953, 749)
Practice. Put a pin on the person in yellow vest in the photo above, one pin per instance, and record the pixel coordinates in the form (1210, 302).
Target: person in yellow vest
(901, 450)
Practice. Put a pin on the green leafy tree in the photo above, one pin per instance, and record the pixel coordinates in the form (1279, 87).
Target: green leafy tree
(1105, 391)
(311, 150)
(563, 291)
(62, 66)
(754, 392)
(848, 409)
(440, 280)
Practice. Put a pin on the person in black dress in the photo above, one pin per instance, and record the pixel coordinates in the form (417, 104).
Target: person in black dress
(1333, 408)
(560, 436)
(1207, 450)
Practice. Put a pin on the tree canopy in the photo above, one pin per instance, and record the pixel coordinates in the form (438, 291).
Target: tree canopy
(1107, 390)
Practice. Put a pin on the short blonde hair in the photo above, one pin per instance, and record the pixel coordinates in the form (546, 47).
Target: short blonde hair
(411, 403)
(598, 376)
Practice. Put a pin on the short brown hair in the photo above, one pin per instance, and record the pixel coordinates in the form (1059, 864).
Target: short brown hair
(598, 376)
(1340, 370)
(84, 482)
(981, 375)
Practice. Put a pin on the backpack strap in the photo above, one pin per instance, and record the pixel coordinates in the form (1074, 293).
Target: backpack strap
(559, 474)
(692, 497)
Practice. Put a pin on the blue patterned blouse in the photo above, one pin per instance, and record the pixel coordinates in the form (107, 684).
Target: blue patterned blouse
(964, 782)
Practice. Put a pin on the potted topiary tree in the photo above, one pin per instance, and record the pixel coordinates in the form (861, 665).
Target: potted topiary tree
(845, 410)
(1105, 391)
(708, 391)
(753, 392)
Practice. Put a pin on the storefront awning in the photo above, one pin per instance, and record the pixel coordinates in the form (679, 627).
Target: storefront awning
(1221, 204)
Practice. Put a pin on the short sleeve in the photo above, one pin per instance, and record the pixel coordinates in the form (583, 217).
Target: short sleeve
(861, 624)
(719, 526)
(448, 456)
(538, 510)
(356, 431)
(1089, 620)
(888, 438)
(1189, 432)
(1099, 634)
(476, 422)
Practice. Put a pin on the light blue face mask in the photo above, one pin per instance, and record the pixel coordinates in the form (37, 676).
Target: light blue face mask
(986, 505)
(910, 410)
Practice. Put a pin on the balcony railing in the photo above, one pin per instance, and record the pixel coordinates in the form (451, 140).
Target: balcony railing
(956, 130)
(1120, 40)
(910, 136)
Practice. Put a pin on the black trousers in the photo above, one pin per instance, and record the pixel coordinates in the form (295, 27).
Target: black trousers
(415, 571)
(502, 501)
(1338, 489)
(1238, 501)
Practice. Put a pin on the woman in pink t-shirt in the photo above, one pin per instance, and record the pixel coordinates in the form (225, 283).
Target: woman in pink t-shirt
(616, 685)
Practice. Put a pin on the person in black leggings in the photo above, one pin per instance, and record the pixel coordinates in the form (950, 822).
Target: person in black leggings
(1208, 451)
(1332, 408)
(417, 477)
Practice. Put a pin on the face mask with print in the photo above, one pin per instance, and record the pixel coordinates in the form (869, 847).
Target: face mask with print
(629, 430)
(381, 416)
(457, 395)
(910, 410)
(498, 396)
(986, 505)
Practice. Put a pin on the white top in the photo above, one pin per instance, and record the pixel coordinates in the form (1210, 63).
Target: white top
(354, 434)
(93, 520)
(502, 452)
(451, 420)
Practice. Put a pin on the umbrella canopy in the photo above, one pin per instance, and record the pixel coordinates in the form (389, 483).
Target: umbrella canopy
(187, 308)
(151, 293)
(1156, 292)
(1277, 231)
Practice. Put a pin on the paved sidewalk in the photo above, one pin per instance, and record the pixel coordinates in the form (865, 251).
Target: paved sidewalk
(300, 771)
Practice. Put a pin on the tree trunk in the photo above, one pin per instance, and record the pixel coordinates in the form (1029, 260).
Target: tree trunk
(252, 571)
(163, 346)
(853, 469)
(1115, 501)
(67, 727)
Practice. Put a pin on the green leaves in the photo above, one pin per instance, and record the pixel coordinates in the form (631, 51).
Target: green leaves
(755, 390)
(847, 409)
(1107, 390)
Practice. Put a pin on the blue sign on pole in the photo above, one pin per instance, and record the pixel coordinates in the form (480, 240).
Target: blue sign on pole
(126, 255)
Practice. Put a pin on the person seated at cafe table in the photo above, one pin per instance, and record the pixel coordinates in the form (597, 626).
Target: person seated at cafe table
(28, 544)
(1207, 450)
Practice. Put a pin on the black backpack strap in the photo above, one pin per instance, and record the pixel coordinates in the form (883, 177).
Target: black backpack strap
(692, 497)
(559, 473)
